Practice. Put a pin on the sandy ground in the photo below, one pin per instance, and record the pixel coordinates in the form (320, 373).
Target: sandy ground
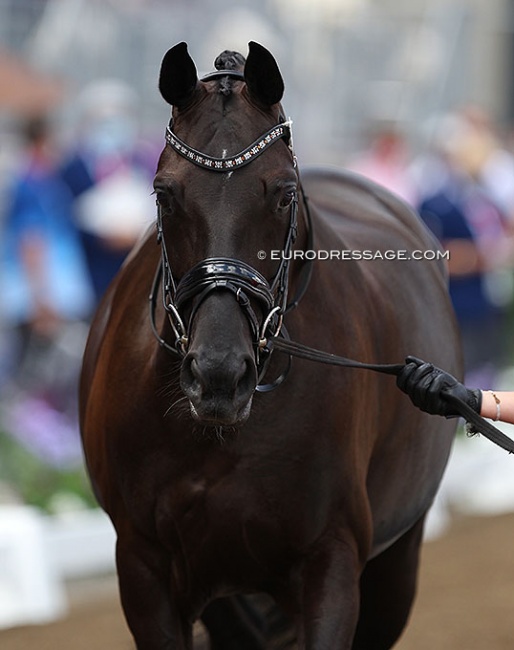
(465, 600)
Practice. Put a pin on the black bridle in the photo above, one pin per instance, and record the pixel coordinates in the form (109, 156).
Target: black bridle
(248, 286)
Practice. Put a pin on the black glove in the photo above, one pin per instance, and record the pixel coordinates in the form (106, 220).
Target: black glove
(427, 386)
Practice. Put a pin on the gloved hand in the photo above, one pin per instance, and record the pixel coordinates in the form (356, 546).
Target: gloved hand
(427, 386)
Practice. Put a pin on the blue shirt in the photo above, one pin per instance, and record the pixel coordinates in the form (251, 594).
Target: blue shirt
(40, 205)
(445, 214)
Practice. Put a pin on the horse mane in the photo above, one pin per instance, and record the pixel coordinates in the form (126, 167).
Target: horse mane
(228, 60)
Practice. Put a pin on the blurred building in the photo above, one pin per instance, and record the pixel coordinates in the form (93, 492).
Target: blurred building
(346, 62)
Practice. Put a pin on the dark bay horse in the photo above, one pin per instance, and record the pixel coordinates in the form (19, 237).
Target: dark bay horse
(315, 492)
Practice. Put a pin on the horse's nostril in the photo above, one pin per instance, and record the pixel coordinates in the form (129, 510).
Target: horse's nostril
(194, 369)
(243, 369)
(191, 376)
(247, 380)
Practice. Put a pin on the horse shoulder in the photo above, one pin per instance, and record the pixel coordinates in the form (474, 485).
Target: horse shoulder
(116, 330)
(114, 302)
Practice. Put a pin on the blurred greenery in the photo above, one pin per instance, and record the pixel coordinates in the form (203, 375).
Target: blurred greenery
(36, 483)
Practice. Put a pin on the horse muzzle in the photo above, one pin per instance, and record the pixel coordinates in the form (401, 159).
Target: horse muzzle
(219, 387)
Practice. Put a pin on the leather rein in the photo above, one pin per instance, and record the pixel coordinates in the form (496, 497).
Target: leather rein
(480, 424)
(246, 283)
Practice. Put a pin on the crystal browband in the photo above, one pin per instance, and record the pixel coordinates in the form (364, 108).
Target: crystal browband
(282, 130)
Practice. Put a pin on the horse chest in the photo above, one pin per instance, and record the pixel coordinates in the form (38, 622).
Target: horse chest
(221, 534)
(263, 498)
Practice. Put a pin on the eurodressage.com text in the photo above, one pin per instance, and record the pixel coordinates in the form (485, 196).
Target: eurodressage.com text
(343, 255)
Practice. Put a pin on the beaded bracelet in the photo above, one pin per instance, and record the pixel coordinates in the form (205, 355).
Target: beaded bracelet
(497, 401)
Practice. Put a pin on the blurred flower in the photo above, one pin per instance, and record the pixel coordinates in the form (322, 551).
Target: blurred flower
(50, 435)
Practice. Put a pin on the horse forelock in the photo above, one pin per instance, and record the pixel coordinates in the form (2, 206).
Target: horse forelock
(228, 60)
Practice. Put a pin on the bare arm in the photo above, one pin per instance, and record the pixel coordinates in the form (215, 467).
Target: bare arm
(492, 409)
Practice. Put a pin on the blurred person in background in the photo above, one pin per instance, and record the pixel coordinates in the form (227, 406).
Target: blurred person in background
(109, 173)
(387, 161)
(45, 296)
(466, 215)
(494, 163)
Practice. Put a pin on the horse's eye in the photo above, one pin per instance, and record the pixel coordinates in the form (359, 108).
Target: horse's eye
(286, 199)
(163, 200)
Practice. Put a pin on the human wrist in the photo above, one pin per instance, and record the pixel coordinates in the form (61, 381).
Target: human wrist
(491, 405)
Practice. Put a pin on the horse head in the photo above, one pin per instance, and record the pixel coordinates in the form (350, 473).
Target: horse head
(226, 188)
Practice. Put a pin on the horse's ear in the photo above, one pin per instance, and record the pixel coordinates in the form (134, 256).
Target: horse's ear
(262, 76)
(178, 77)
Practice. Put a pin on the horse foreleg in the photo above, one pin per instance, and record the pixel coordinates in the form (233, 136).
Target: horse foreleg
(388, 587)
(144, 576)
(330, 597)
